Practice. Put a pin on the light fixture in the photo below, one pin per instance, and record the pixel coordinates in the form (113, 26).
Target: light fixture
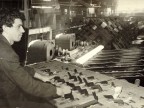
(91, 10)
(46, 0)
(42, 7)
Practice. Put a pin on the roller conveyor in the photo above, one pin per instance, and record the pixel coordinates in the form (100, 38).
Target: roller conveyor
(118, 63)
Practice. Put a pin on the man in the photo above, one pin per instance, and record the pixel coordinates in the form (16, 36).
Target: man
(18, 87)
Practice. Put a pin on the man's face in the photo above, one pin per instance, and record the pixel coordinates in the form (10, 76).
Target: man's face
(15, 32)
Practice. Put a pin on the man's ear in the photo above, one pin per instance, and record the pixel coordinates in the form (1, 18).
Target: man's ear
(4, 27)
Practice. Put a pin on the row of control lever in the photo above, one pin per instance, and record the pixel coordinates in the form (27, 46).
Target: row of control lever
(76, 87)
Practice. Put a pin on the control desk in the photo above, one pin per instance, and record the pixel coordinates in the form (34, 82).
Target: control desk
(91, 89)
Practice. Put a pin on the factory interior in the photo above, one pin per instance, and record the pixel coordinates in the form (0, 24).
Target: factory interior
(93, 46)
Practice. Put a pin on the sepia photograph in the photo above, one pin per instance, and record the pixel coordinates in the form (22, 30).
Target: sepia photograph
(71, 54)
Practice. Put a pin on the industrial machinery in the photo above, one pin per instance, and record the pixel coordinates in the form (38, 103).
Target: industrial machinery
(91, 89)
(90, 52)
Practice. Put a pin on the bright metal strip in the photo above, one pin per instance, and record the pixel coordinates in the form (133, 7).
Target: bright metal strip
(89, 55)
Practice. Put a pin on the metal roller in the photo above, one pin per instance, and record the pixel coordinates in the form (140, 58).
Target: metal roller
(65, 41)
(40, 50)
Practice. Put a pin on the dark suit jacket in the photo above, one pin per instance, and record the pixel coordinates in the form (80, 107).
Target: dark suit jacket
(16, 84)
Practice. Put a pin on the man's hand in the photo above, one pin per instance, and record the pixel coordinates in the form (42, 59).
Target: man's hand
(63, 89)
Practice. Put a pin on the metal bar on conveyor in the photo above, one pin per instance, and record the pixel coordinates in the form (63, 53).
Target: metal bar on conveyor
(138, 71)
(113, 58)
(124, 74)
(134, 55)
(130, 76)
(112, 68)
(123, 50)
(120, 66)
(117, 54)
(111, 64)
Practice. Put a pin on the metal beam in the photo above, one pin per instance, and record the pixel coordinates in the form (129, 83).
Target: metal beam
(26, 13)
(84, 3)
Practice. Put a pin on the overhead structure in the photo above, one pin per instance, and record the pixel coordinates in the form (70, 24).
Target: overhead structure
(84, 3)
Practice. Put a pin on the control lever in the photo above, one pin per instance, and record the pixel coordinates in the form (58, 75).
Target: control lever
(72, 77)
(80, 80)
(119, 101)
(113, 84)
(84, 91)
(61, 80)
(50, 73)
(80, 73)
(104, 82)
(69, 96)
(70, 84)
(47, 70)
(90, 77)
(67, 68)
(75, 70)
(89, 84)
(109, 97)
(97, 87)
(77, 88)
(56, 77)
(95, 96)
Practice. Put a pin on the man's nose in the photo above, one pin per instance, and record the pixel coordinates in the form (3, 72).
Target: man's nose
(22, 29)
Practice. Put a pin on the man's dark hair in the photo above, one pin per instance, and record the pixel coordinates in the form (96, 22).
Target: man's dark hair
(7, 17)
